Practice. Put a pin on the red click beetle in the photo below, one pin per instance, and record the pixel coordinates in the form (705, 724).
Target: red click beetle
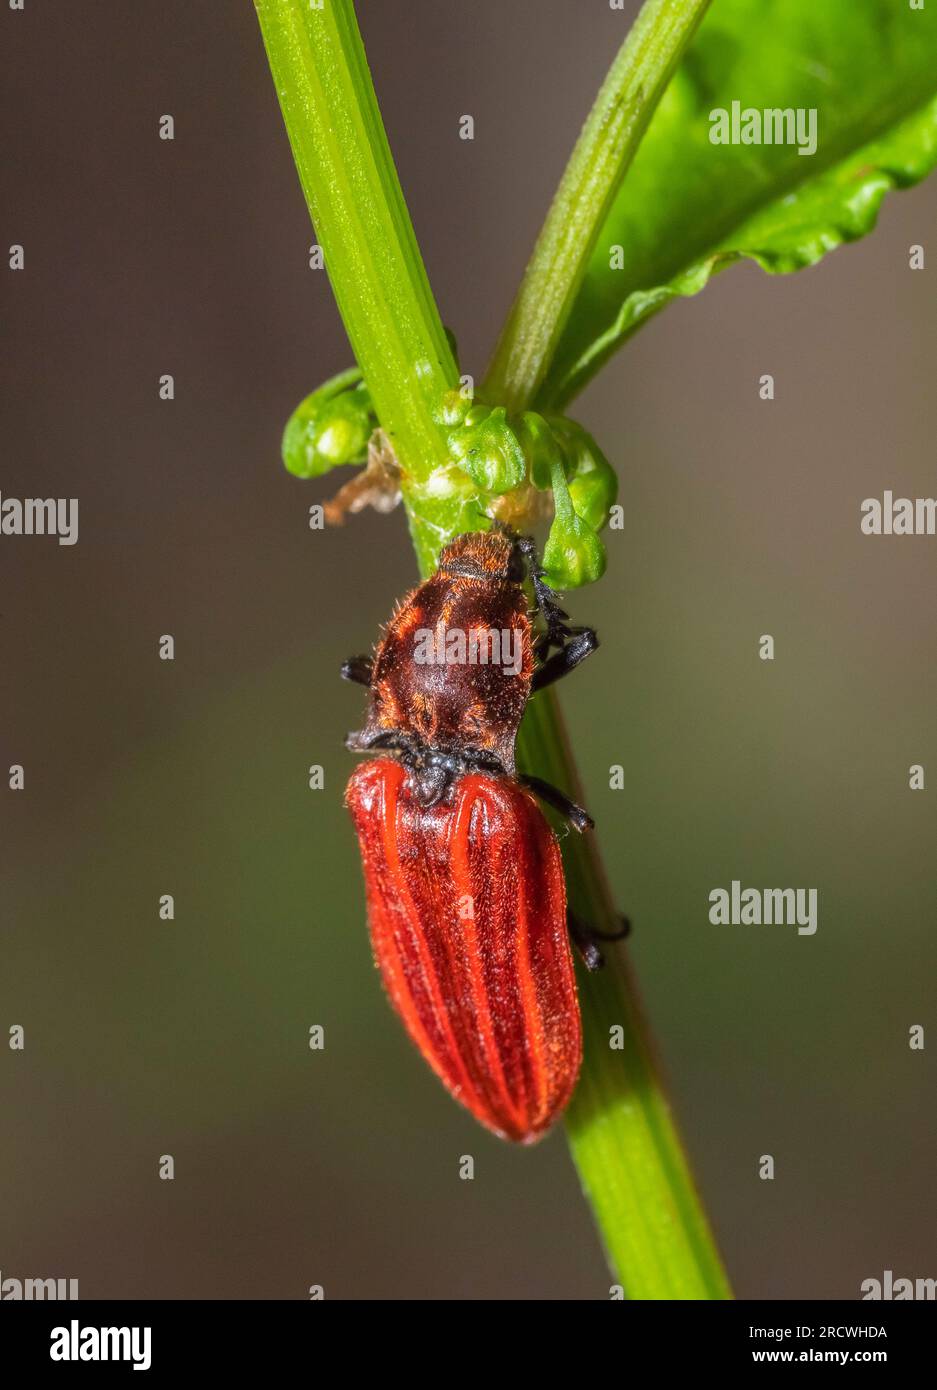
(464, 881)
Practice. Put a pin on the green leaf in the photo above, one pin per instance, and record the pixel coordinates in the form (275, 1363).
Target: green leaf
(688, 207)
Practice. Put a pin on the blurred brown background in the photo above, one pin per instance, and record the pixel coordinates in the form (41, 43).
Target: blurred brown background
(146, 777)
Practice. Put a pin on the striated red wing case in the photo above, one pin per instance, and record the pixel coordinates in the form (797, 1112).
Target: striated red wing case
(467, 913)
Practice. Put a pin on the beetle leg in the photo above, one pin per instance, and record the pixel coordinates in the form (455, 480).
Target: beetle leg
(624, 930)
(550, 611)
(592, 957)
(573, 643)
(576, 649)
(578, 818)
(357, 669)
(555, 618)
(585, 938)
(364, 741)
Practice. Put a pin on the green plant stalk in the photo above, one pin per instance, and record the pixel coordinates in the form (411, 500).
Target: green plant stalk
(370, 251)
(621, 1130)
(605, 148)
(626, 1147)
(623, 1137)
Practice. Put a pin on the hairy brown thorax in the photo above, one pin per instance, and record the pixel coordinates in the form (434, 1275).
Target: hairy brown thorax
(454, 666)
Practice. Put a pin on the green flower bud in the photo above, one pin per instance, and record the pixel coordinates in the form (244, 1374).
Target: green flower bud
(330, 427)
(542, 447)
(489, 450)
(476, 414)
(593, 482)
(454, 409)
(573, 554)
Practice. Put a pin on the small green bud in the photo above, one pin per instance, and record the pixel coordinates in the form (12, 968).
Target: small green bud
(593, 482)
(489, 450)
(330, 427)
(593, 495)
(454, 409)
(476, 414)
(542, 448)
(573, 554)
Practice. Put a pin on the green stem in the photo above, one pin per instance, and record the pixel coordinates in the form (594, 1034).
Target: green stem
(623, 1139)
(603, 152)
(370, 250)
